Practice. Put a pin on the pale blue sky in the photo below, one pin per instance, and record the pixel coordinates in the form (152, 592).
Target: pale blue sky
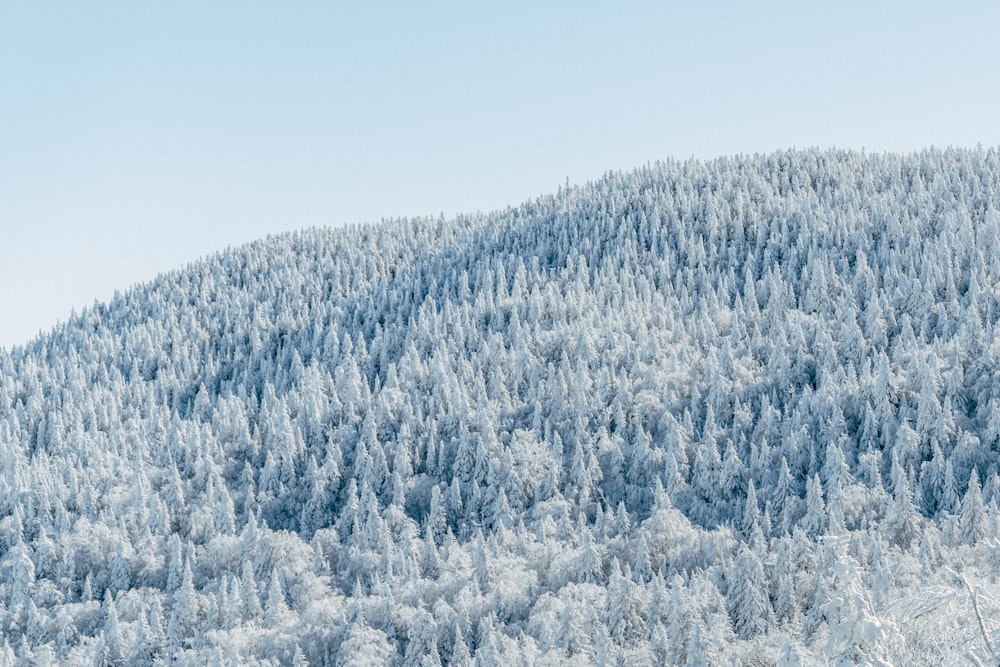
(138, 136)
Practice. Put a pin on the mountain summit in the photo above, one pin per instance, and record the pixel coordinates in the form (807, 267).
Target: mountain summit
(744, 411)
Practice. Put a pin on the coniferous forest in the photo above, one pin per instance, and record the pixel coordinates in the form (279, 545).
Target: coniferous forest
(732, 412)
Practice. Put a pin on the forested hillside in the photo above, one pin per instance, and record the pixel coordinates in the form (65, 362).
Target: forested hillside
(744, 411)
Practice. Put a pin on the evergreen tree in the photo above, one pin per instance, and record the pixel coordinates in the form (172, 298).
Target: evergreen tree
(749, 604)
(814, 522)
(972, 521)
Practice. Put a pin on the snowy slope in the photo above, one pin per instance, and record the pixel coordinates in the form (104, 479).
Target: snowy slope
(734, 412)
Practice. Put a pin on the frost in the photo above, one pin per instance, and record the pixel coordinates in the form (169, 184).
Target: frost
(743, 411)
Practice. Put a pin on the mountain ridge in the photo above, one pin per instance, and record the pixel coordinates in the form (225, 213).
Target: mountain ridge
(697, 413)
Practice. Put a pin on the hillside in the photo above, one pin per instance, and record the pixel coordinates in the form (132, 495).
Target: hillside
(744, 411)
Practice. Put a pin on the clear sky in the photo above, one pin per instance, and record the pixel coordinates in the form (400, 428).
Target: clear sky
(137, 136)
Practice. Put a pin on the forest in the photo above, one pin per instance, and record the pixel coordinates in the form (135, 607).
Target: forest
(743, 411)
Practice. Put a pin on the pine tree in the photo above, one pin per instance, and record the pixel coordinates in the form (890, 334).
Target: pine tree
(749, 604)
(815, 520)
(421, 646)
(972, 521)
(276, 609)
(949, 501)
(902, 520)
(112, 650)
(460, 656)
(363, 645)
(248, 594)
(784, 595)
(751, 518)
(700, 653)
(588, 564)
(624, 613)
(785, 498)
(437, 518)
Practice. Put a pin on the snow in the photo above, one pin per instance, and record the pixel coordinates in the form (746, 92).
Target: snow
(732, 412)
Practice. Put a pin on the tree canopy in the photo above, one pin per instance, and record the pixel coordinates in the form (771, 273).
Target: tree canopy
(696, 413)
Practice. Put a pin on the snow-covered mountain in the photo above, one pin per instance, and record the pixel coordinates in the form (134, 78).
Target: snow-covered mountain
(744, 411)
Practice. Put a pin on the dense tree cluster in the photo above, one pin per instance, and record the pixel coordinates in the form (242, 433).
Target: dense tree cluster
(699, 413)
